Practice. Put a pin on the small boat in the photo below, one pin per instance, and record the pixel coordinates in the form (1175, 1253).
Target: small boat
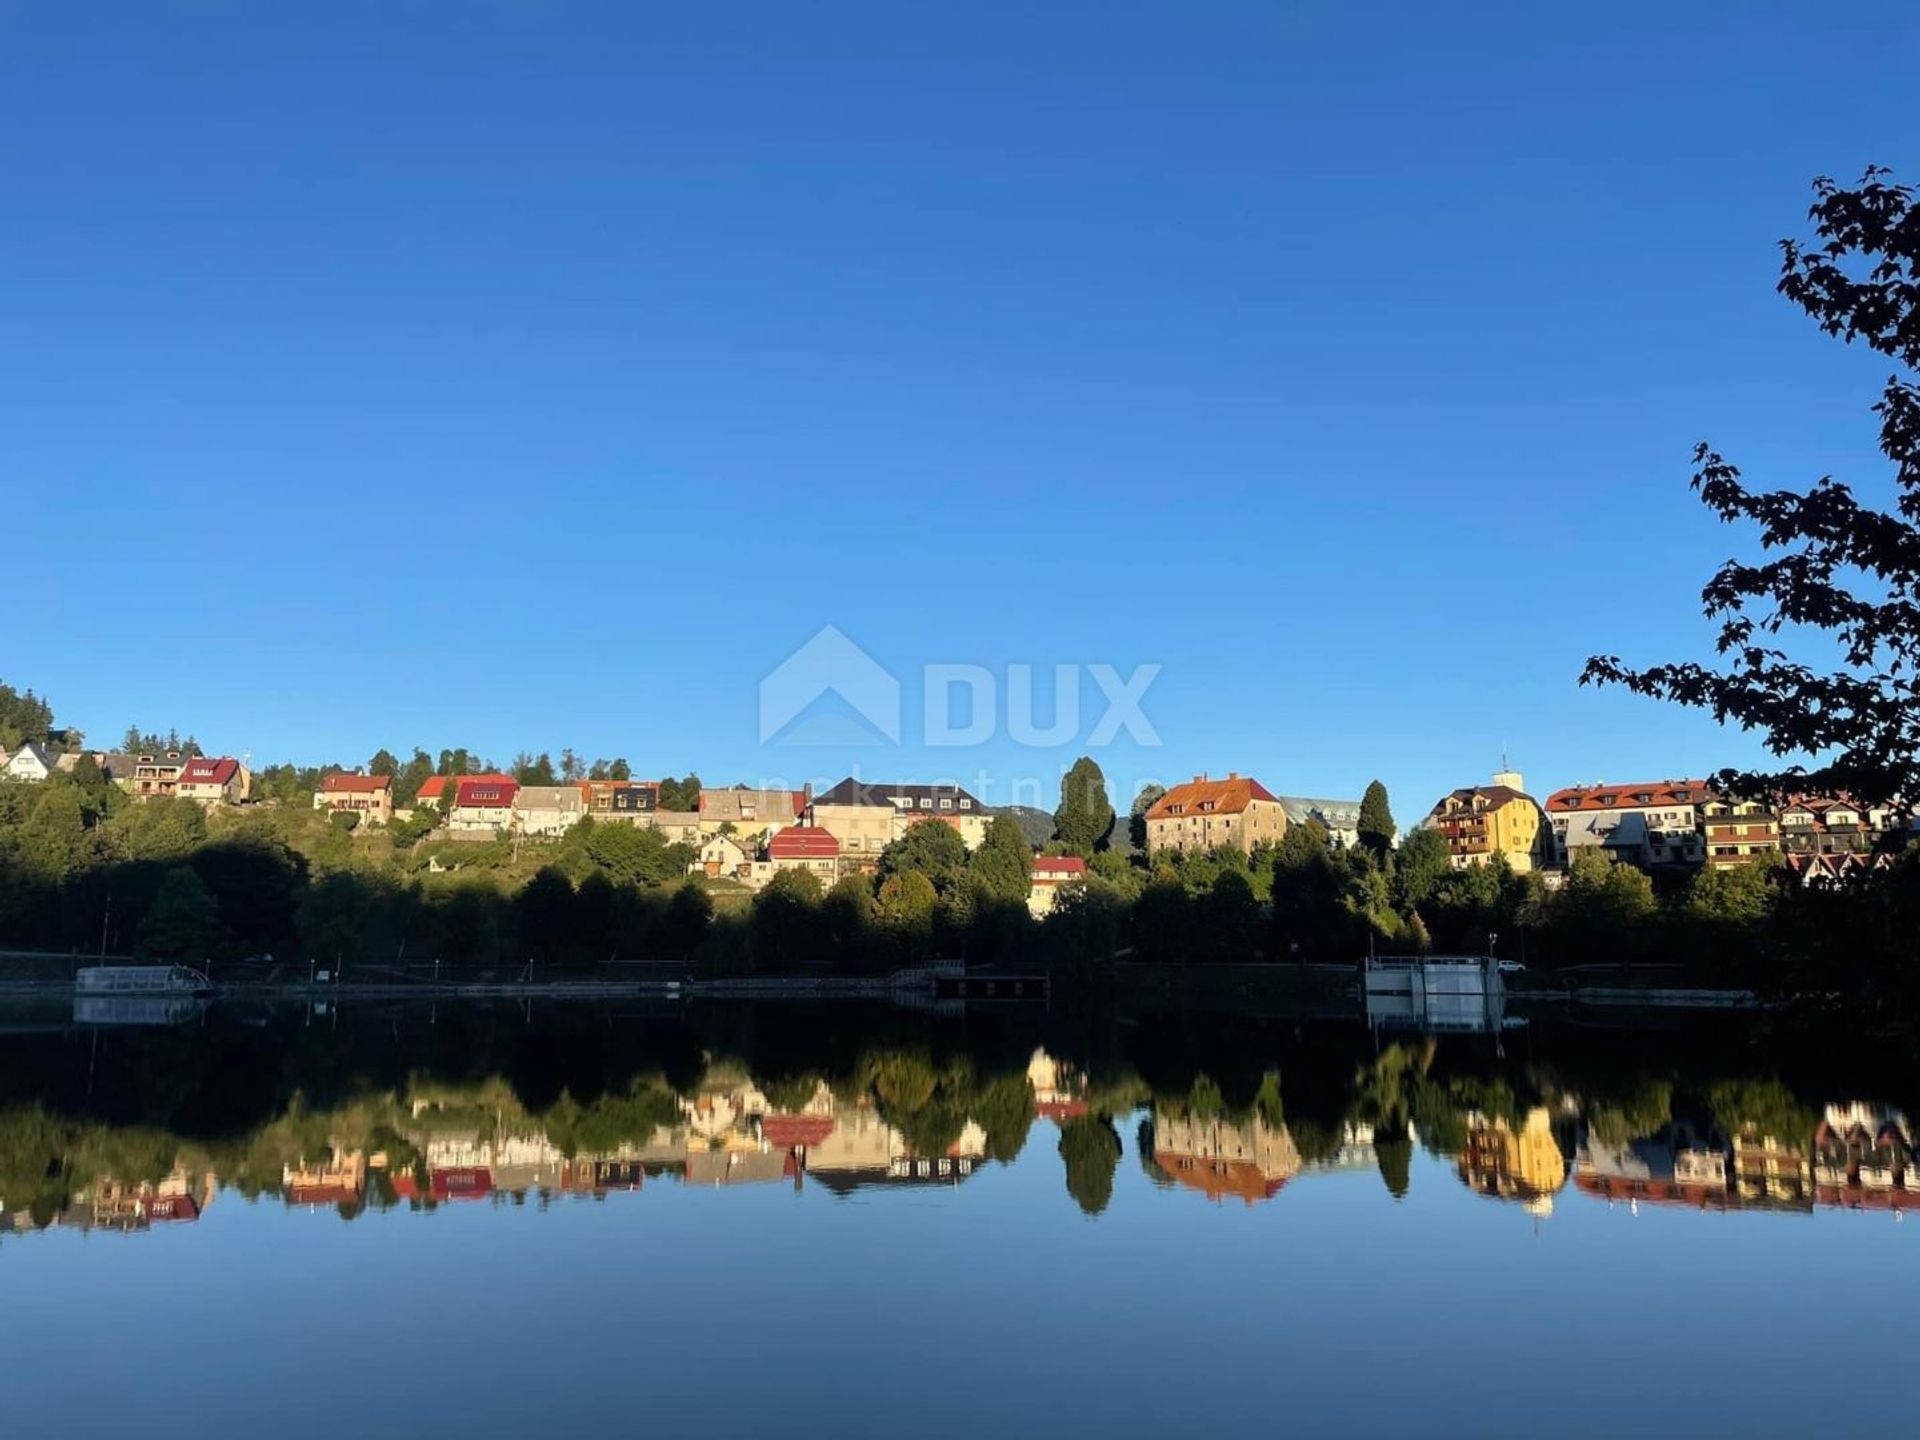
(141, 980)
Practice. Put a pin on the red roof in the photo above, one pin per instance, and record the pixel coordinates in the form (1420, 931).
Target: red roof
(787, 1132)
(485, 792)
(1663, 793)
(202, 771)
(1226, 797)
(435, 786)
(341, 783)
(803, 842)
(1058, 867)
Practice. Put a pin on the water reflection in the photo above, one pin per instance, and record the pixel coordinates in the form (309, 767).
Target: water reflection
(378, 1112)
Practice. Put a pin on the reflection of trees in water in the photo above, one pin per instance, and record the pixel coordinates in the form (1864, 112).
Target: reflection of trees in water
(252, 1101)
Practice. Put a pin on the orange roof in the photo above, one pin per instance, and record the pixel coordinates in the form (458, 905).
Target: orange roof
(434, 786)
(1626, 797)
(341, 783)
(1221, 797)
(1217, 1179)
(1057, 867)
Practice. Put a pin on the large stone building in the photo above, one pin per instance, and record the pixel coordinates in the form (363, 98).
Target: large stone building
(1203, 814)
(1653, 824)
(1482, 821)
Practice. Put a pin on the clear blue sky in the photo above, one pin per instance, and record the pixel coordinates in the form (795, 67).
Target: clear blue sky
(526, 374)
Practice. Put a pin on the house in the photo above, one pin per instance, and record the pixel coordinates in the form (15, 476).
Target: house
(482, 805)
(547, 812)
(721, 857)
(806, 847)
(1339, 818)
(433, 790)
(1482, 821)
(1736, 831)
(750, 812)
(31, 762)
(345, 793)
(1833, 825)
(621, 797)
(157, 774)
(1653, 824)
(1050, 874)
(1250, 1162)
(213, 781)
(676, 827)
(867, 817)
(1202, 814)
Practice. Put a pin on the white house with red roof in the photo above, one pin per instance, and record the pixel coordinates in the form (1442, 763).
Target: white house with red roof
(213, 781)
(806, 847)
(1649, 823)
(1052, 873)
(482, 805)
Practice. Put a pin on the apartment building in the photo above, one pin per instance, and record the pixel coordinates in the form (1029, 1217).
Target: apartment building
(1735, 832)
(1653, 824)
(1500, 818)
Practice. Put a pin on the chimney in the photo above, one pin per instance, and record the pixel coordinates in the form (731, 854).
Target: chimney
(1200, 779)
(1233, 774)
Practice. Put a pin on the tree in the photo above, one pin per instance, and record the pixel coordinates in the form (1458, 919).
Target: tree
(1842, 567)
(1148, 797)
(786, 918)
(1419, 866)
(1085, 816)
(384, 762)
(411, 776)
(682, 794)
(1376, 825)
(23, 716)
(684, 925)
(544, 912)
(1091, 1152)
(620, 770)
(572, 768)
(534, 770)
(905, 903)
(1003, 865)
(55, 839)
(180, 923)
(931, 848)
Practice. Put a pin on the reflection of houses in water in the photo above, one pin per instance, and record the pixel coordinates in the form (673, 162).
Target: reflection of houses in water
(1250, 1161)
(1863, 1159)
(1059, 1089)
(862, 1149)
(1509, 1164)
(340, 1180)
(1769, 1172)
(120, 1205)
(1677, 1166)
(1356, 1152)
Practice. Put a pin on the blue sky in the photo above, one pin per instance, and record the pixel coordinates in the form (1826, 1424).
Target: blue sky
(521, 375)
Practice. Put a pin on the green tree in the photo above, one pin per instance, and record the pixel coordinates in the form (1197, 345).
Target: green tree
(1085, 815)
(1003, 865)
(1148, 797)
(332, 917)
(786, 919)
(55, 840)
(1376, 827)
(684, 926)
(1091, 1152)
(384, 762)
(680, 795)
(543, 911)
(1419, 865)
(181, 922)
(411, 776)
(930, 848)
(1842, 567)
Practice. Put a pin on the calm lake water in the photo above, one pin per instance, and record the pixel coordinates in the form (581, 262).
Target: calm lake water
(849, 1220)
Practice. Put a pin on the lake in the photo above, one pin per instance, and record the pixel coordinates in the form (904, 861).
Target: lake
(850, 1219)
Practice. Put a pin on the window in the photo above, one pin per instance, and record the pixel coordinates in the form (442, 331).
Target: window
(945, 803)
(926, 803)
(966, 804)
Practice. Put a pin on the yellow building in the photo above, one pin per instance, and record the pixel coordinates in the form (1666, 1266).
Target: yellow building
(1482, 821)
